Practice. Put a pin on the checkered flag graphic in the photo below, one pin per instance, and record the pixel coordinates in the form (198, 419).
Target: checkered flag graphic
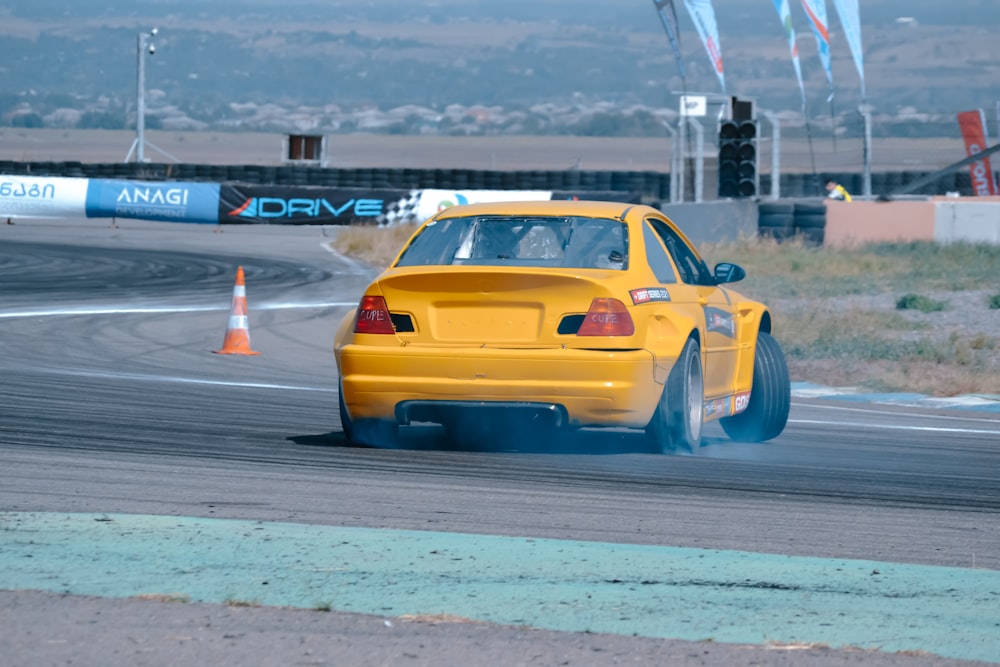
(402, 211)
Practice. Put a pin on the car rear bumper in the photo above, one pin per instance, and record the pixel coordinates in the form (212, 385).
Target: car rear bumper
(590, 387)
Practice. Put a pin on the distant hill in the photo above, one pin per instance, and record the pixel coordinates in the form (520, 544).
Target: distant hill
(606, 66)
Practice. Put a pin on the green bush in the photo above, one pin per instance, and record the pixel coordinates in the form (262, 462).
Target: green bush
(995, 301)
(918, 302)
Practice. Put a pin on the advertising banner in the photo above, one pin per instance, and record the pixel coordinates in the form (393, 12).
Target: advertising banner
(169, 201)
(785, 14)
(42, 197)
(280, 205)
(431, 201)
(668, 17)
(290, 205)
(973, 124)
(703, 15)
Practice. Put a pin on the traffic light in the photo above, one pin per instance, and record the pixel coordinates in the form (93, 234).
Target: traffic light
(737, 159)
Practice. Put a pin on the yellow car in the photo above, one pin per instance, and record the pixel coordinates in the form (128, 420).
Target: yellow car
(559, 315)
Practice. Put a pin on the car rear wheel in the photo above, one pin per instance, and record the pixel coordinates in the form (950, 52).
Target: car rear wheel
(770, 398)
(370, 432)
(375, 432)
(345, 419)
(676, 424)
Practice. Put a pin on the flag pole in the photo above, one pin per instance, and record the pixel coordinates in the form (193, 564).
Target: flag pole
(833, 122)
(812, 154)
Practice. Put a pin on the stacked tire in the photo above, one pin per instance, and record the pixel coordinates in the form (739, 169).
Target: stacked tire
(776, 220)
(809, 222)
(783, 220)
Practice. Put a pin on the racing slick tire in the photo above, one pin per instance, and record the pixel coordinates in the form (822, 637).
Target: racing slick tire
(346, 425)
(770, 398)
(677, 423)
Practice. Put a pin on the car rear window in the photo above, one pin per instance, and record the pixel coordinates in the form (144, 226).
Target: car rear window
(540, 241)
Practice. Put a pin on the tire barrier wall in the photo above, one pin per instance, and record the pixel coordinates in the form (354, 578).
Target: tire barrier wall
(652, 186)
(785, 219)
(215, 203)
(883, 183)
(837, 223)
(944, 219)
(649, 184)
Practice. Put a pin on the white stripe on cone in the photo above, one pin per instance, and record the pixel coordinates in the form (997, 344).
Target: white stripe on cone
(237, 339)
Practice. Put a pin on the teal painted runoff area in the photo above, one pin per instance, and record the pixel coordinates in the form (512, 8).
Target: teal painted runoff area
(651, 591)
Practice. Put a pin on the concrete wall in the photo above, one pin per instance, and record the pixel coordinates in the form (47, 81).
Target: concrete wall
(967, 219)
(941, 219)
(858, 222)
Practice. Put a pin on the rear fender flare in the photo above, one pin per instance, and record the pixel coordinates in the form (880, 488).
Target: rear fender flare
(753, 318)
(666, 337)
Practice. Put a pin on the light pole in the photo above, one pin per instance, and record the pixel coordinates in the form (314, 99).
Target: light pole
(142, 48)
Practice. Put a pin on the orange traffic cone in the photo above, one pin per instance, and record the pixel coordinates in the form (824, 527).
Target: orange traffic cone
(238, 332)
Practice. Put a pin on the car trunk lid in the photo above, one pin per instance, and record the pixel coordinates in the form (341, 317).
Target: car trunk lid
(491, 306)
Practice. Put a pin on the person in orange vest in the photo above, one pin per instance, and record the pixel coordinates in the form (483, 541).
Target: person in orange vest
(837, 191)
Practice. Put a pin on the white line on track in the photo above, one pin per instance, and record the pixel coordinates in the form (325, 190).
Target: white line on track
(881, 413)
(895, 427)
(358, 268)
(115, 310)
(180, 380)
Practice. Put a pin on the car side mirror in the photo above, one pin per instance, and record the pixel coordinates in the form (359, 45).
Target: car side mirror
(726, 272)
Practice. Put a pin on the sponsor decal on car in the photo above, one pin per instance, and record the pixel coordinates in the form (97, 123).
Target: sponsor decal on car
(649, 295)
(718, 407)
(741, 402)
(720, 321)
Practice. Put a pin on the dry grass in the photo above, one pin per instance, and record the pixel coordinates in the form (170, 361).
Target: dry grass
(164, 597)
(376, 246)
(231, 602)
(437, 619)
(793, 269)
(884, 317)
(837, 312)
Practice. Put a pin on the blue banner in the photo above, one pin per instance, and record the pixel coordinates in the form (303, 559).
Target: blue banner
(171, 201)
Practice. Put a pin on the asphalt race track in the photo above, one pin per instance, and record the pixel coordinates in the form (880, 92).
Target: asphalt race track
(112, 403)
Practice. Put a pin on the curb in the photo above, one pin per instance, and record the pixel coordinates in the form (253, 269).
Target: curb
(974, 402)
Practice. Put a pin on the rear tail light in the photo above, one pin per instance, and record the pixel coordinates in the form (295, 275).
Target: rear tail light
(607, 317)
(373, 316)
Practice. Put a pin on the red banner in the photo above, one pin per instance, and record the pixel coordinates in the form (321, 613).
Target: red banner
(973, 124)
